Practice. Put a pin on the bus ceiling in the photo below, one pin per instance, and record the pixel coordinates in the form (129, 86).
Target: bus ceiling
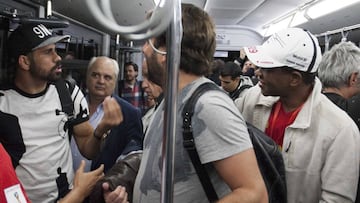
(239, 23)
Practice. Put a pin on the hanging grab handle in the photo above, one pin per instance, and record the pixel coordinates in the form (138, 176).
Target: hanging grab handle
(344, 35)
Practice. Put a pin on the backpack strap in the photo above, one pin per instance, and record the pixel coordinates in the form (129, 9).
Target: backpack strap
(189, 144)
(67, 105)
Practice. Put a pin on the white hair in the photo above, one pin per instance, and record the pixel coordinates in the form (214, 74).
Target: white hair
(115, 64)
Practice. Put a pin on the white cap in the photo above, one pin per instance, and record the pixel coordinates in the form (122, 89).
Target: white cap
(292, 47)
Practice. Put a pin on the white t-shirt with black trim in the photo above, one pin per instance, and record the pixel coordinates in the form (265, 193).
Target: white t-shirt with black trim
(43, 136)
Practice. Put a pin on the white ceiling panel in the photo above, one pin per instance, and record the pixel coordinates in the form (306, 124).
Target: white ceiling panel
(249, 13)
(244, 4)
(233, 13)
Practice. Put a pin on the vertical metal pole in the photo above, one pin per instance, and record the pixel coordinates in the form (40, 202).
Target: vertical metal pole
(48, 9)
(117, 47)
(105, 47)
(173, 42)
(120, 62)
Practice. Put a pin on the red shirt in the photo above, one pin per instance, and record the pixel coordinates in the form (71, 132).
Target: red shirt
(10, 185)
(278, 121)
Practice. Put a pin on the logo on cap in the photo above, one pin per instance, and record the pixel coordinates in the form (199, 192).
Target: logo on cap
(252, 50)
(41, 31)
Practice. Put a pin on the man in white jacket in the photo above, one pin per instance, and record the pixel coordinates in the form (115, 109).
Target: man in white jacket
(319, 141)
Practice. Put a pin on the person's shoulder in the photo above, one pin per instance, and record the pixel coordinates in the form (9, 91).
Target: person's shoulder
(214, 100)
(122, 102)
(338, 122)
(212, 91)
(246, 80)
(71, 84)
(333, 114)
(125, 105)
(338, 100)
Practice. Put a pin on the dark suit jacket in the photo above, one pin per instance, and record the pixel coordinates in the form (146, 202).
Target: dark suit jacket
(124, 138)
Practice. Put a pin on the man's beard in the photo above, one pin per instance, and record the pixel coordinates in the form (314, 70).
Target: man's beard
(129, 78)
(51, 76)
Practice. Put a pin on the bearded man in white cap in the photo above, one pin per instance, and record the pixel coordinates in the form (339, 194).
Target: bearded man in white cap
(319, 141)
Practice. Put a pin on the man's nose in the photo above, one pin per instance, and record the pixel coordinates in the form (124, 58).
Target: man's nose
(57, 57)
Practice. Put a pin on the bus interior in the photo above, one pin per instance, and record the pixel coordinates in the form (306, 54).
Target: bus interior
(238, 24)
(119, 28)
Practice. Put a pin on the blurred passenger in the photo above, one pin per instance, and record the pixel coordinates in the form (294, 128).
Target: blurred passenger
(216, 67)
(247, 67)
(67, 74)
(249, 70)
(232, 80)
(241, 59)
(354, 110)
(101, 80)
(130, 88)
(39, 142)
(124, 171)
(339, 72)
(154, 93)
(320, 143)
(233, 163)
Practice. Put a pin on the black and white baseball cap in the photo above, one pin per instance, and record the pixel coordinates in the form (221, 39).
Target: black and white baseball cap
(29, 37)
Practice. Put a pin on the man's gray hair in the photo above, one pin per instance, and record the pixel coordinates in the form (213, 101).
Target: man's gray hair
(115, 66)
(338, 64)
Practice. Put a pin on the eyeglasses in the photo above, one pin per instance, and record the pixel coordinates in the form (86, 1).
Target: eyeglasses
(155, 49)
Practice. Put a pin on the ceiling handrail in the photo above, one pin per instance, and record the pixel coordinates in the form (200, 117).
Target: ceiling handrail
(341, 30)
(154, 25)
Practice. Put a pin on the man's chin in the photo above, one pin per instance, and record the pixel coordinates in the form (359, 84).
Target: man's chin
(55, 77)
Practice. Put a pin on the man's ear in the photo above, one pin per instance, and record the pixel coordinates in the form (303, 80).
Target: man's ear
(296, 78)
(353, 79)
(24, 62)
